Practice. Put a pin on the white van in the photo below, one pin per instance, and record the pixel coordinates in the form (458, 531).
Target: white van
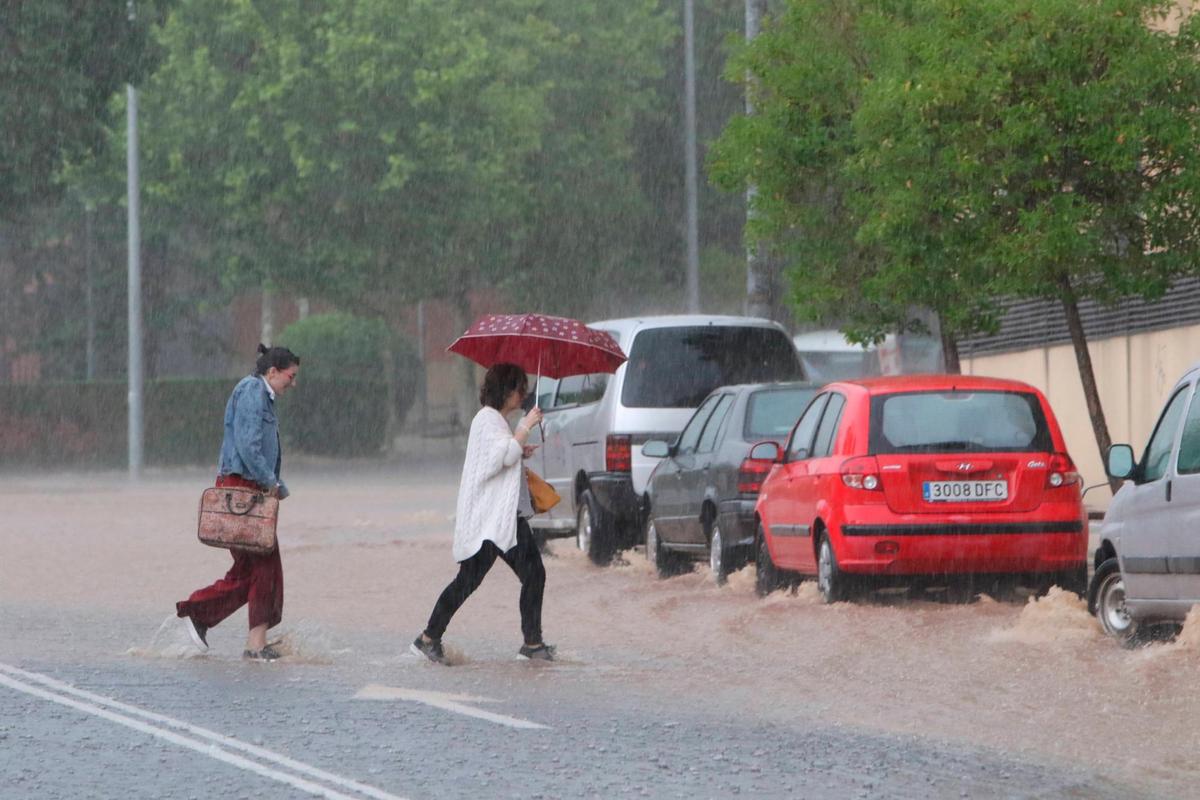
(828, 355)
(1148, 559)
(594, 425)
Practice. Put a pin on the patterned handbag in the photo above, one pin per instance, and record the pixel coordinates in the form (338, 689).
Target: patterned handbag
(541, 494)
(238, 519)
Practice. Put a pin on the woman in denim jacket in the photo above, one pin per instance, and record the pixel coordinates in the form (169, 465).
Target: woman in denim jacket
(250, 457)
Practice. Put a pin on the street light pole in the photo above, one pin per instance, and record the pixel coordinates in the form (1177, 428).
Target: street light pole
(134, 244)
(693, 214)
(758, 292)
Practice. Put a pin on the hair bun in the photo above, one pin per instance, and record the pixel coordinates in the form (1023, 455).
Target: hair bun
(262, 348)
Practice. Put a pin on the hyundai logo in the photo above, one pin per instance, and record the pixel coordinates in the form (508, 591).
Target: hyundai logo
(965, 466)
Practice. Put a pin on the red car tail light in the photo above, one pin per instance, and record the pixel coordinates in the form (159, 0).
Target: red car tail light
(618, 453)
(862, 473)
(752, 473)
(1062, 472)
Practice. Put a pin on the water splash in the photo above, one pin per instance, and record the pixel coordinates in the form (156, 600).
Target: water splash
(633, 562)
(742, 581)
(171, 640)
(307, 643)
(1059, 616)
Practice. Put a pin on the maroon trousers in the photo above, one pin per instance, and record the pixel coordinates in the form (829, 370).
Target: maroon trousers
(254, 578)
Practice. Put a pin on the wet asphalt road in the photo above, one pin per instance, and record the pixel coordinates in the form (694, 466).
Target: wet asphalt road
(95, 703)
(640, 741)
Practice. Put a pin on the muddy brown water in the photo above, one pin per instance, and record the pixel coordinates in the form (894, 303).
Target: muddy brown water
(367, 554)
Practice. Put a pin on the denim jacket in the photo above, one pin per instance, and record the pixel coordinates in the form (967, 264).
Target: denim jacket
(250, 447)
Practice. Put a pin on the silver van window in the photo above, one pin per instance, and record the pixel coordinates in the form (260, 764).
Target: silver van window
(1158, 450)
(677, 367)
(1189, 443)
(581, 389)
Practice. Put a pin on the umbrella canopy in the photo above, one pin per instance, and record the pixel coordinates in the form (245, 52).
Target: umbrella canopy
(552, 346)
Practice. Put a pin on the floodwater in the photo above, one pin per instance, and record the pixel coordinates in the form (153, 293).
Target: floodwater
(366, 552)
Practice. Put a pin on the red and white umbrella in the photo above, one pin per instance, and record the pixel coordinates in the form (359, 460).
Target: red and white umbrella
(540, 344)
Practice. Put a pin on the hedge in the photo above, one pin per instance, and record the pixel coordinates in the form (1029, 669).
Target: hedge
(85, 424)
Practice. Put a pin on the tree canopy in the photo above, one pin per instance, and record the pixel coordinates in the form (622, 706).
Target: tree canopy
(63, 60)
(375, 153)
(944, 155)
(941, 154)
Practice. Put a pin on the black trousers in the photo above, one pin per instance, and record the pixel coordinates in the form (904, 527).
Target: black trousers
(525, 561)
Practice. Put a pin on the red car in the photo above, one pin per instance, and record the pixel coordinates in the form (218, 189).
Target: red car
(908, 480)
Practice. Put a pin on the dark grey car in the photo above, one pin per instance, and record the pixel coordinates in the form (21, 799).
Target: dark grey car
(699, 501)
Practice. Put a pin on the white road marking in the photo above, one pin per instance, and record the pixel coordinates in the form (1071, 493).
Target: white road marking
(446, 702)
(96, 707)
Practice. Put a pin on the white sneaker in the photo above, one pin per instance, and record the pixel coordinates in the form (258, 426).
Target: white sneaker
(197, 632)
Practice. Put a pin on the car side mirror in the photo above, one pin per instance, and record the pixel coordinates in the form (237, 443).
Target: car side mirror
(765, 451)
(1118, 461)
(656, 448)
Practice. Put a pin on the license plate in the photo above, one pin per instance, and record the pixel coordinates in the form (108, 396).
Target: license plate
(965, 491)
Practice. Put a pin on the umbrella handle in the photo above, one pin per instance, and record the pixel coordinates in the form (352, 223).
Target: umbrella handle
(537, 395)
(537, 387)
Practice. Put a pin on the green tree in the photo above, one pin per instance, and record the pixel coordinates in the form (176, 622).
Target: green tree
(1037, 148)
(807, 72)
(63, 60)
(375, 153)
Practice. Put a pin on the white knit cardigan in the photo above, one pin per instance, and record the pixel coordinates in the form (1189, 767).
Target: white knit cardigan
(490, 488)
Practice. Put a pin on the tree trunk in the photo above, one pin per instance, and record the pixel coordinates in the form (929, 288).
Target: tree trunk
(266, 332)
(1087, 375)
(467, 400)
(391, 427)
(950, 352)
(89, 293)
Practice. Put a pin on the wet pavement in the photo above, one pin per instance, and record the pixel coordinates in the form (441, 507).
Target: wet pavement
(674, 688)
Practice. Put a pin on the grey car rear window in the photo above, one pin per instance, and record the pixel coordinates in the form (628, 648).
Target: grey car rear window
(958, 422)
(678, 367)
(771, 413)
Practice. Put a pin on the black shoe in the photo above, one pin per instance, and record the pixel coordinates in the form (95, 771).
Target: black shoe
(537, 652)
(268, 653)
(198, 632)
(431, 649)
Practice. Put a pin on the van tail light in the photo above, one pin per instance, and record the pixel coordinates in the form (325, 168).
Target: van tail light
(618, 452)
(862, 473)
(751, 474)
(1062, 472)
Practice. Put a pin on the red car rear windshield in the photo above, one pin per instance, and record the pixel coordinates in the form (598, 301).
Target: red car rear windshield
(958, 422)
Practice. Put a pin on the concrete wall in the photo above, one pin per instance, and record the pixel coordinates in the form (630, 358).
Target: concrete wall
(1134, 374)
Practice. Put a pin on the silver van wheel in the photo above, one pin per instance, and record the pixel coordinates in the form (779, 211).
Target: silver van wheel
(716, 553)
(583, 529)
(1110, 607)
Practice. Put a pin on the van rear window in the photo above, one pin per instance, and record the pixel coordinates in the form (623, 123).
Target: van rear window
(958, 422)
(678, 367)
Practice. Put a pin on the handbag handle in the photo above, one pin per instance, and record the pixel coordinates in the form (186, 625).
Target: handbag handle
(254, 500)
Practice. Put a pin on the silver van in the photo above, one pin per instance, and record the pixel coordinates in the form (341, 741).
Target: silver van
(1148, 558)
(594, 425)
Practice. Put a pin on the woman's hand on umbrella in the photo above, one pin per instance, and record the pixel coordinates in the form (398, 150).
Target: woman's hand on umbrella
(532, 419)
(527, 424)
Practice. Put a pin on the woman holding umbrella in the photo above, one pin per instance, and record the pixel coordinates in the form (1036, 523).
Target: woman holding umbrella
(493, 506)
